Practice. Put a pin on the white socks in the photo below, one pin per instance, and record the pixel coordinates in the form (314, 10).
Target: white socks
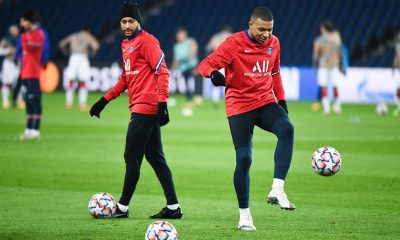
(69, 94)
(326, 105)
(245, 215)
(278, 184)
(123, 208)
(173, 206)
(5, 92)
(83, 95)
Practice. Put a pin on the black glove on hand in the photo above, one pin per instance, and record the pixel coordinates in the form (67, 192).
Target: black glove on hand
(284, 105)
(163, 116)
(217, 78)
(98, 107)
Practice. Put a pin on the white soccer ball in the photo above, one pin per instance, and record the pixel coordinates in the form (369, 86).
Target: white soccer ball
(102, 205)
(381, 109)
(161, 230)
(326, 161)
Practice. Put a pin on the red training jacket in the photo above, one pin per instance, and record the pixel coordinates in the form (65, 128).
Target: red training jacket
(32, 48)
(144, 74)
(251, 70)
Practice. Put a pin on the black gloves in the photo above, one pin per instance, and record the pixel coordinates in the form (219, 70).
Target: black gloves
(163, 116)
(217, 78)
(98, 107)
(284, 105)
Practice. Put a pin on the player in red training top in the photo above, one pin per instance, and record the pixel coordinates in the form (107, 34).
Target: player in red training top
(251, 59)
(145, 76)
(32, 41)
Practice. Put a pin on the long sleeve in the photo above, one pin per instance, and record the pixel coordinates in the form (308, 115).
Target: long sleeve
(153, 54)
(118, 88)
(46, 49)
(18, 50)
(220, 58)
(276, 76)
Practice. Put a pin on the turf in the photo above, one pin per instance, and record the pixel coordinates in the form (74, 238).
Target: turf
(45, 185)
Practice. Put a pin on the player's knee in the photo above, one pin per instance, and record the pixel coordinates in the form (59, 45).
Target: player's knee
(283, 128)
(324, 92)
(82, 85)
(243, 157)
(71, 84)
(128, 156)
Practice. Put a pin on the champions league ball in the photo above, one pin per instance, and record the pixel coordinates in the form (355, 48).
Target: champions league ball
(326, 161)
(102, 205)
(161, 230)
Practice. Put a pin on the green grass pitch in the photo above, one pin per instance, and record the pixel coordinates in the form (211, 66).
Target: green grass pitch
(45, 185)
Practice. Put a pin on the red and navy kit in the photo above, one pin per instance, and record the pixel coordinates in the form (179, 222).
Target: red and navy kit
(251, 70)
(32, 49)
(144, 75)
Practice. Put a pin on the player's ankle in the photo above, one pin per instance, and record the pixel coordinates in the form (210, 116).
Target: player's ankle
(123, 208)
(173, 206)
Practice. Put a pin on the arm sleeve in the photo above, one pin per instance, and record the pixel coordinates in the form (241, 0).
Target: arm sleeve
(220, 58)
(276, 77)
(18, 51)
(118, 88)
(153, 54)
(46, 48)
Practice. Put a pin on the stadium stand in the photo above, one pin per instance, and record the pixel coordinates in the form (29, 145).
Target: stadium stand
(367, 26)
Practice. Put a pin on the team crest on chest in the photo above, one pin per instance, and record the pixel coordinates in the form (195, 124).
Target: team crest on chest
(269, 51)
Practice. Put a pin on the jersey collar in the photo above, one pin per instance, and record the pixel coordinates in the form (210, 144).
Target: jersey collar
(134, 35)
(246, 32)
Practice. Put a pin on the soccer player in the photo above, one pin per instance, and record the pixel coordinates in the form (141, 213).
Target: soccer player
(32, 42)
(81, 44)
(185, 59)
(254, 97)
(10, 68)
(145, 76)
(327, 54)
(18, 57)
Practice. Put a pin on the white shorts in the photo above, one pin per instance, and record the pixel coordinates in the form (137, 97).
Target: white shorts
(78, 67)
(328, 76)
(10, 72)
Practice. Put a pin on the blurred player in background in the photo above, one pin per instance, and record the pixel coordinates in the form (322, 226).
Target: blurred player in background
(18, 58)
(211, 46)
(185, 59)
(32, 42)
(251, 59)
(145, 76)
(81, 45)
(10, 67)
(396, 71)
(327, 55)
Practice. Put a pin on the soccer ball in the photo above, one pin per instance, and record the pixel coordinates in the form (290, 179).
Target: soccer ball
(381, 109)
(102, 205)
(161, 230)
(326, 161)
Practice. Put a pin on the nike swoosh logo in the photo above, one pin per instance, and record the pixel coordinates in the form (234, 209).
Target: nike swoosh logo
(247, 51)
